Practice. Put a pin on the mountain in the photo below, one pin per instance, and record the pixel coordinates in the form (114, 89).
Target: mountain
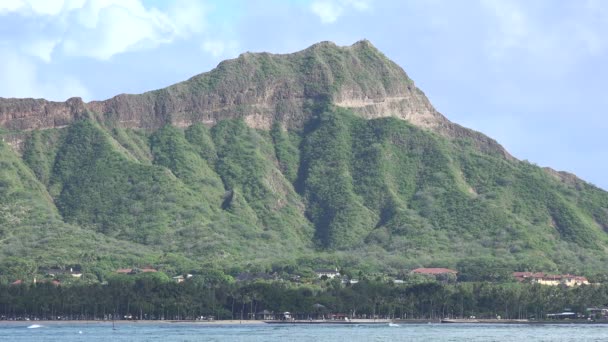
(327, 156)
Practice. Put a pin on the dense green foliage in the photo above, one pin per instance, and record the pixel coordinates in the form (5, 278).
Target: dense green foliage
(154, 296)
(363, 194)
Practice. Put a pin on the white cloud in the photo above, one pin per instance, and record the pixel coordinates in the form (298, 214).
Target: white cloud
(39, 7)
(517, 30)
(188, 17)
(40, 38)
(41, 48)
(327, 11)
(100, 28)
(20, 78)
(330, 10)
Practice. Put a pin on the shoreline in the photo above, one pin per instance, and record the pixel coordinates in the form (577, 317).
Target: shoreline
(214, 322)
(122, 322)
(300, 322)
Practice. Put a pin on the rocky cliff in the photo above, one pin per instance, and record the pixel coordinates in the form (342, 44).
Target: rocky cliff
(261, 88)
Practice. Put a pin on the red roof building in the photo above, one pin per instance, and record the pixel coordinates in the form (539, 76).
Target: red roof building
(17, 282)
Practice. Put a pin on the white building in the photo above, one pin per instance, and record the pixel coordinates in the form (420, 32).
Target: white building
(328, 272)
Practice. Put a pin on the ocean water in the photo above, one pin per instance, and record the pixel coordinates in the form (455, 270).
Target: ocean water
(313, 332)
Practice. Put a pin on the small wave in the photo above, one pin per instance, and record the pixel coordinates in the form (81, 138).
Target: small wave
(34, 326)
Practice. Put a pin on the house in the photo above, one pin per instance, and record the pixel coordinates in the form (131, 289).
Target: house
(339, 317)
(285, 316)
(17, 282)
(562, 315)
(180, 278)
(597, 313)
(572, 280)
(265, 315)
(76, 272)
(550, 279)
(346, 281)
(54, 271)
(327, 272)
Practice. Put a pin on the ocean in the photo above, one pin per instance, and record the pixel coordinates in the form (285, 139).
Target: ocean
(67, 332)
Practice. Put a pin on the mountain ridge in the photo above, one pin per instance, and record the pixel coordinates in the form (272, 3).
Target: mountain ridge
(280, 97)
(330, 155)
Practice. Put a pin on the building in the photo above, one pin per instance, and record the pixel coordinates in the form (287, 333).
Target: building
(597, 312)
(286, 316)
(327, 272)
(550, 279)
(75, 271)
(563, 315)
(180, 278)
(347, 281)
(265, 315)
(572, 280)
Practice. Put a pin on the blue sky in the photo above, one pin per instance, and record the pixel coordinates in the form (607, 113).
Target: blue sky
(531, 74)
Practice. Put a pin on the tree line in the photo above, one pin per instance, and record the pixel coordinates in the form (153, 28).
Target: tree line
(154, 297)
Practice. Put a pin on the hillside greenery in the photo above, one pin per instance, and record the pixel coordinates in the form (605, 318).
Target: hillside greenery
(366, 195)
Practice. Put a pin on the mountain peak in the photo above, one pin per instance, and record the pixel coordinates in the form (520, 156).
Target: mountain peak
(364, 44)
(261, 88)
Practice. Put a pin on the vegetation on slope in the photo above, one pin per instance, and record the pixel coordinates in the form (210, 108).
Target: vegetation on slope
(363, 194)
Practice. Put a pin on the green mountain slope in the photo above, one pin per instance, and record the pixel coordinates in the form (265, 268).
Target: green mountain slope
(315, 174)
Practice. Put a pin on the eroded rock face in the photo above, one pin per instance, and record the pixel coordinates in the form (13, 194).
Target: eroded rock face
(262, 89)
(27, 114)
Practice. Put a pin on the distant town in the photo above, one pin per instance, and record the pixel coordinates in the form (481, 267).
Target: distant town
(54, 274)
(322, 294)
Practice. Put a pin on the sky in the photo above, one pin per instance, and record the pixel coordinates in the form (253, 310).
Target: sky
(531, 74)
